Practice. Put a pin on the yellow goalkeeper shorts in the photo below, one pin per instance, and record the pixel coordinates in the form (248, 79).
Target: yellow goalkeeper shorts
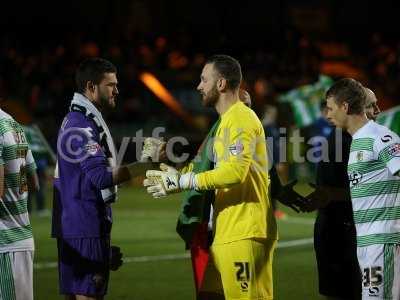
(241, 270)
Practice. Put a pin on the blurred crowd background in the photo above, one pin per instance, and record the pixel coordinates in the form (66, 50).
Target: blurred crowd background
(282, 45)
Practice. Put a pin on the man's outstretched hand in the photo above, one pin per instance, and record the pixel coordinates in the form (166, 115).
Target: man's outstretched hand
(289, 197)
(319, 198)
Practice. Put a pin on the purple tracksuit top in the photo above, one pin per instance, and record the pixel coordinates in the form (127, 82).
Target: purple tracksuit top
(78, 209)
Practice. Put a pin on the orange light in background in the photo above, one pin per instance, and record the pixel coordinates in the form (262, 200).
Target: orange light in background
(166, 97)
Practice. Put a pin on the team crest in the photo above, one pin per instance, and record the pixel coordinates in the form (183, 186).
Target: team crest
(237, 148)
(360, 156)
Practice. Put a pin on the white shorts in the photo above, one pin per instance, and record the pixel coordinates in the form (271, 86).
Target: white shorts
(380, 269)
(16, 269)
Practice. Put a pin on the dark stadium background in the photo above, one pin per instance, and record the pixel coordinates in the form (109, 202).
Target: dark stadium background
(281, 45)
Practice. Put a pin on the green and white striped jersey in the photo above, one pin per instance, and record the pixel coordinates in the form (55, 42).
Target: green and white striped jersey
(17, 160)
(373, 170)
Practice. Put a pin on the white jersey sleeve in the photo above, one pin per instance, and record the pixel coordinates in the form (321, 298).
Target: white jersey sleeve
(387, 148)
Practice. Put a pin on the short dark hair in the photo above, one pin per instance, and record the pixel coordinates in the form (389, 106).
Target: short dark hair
(322, 105)
(92, 69)
(229, 68)
(351, 91)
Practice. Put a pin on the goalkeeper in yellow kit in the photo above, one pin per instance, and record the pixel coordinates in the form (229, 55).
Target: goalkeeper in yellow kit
(243, 222)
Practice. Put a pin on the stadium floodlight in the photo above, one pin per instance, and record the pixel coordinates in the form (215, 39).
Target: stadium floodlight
(154, 85)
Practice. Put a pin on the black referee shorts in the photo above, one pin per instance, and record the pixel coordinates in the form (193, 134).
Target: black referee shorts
(336, 253)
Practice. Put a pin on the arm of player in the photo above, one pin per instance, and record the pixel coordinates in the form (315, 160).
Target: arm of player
(31, 174)
(95, 166)
(33, 182)
(1, 181)
(289, 197)
(323, 195)
(1, 168)
(127, 172)
(284, 194)
(276, 185)
(234, 155)
(82, 146)
(234, 151)
(388, 148)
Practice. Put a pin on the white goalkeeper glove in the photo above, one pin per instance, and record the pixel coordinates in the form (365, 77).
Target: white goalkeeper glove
(167, 181)
(153, 150)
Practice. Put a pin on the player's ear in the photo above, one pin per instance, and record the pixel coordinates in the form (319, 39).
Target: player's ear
(345, 106)
(221, 84)
(90, 86)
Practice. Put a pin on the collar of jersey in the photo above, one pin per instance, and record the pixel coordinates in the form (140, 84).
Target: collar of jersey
(230, 109)
(360, 130)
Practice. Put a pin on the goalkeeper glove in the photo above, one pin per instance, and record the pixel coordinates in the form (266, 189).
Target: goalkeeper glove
(167, 181)
(115, 258)
(153, 150)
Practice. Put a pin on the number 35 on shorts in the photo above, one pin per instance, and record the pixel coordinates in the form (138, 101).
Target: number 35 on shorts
(372, 276)
(372, 279)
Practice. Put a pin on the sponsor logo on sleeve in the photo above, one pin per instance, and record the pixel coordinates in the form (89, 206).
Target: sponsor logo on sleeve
(386, 138)
(92, 147)
(394, 150)
(236, 148)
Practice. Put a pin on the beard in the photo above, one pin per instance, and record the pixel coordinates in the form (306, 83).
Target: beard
(211, 98)
(105, 101)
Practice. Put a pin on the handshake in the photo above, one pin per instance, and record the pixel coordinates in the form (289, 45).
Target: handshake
(153, 150)
(167, 180)
(319, 198)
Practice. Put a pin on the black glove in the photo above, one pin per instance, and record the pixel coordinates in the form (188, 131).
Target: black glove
(289, 197)
(115, 258)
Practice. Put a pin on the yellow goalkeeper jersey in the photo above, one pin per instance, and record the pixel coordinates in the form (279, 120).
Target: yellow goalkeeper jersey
(242, 208)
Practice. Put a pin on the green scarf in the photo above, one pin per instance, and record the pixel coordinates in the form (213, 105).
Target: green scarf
(196, 205)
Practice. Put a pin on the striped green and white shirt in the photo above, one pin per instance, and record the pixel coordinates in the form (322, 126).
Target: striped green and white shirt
(17, 160)
(373, 170)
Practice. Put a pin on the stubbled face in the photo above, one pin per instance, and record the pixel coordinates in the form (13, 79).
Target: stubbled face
(208, 85)
(336, 113)
(107, 91)
(371, 108)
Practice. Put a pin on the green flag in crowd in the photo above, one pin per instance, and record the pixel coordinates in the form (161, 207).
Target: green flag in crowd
(391, 119)
(38, 143)
(305, 100)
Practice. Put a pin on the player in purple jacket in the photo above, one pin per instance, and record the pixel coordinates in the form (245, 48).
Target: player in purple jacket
(85, 185)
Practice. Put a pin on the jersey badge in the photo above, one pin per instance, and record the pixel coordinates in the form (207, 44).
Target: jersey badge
(360, 156)
(237, 148)
(92, 147)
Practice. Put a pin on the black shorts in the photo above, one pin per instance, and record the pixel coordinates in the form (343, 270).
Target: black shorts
(336, 252)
